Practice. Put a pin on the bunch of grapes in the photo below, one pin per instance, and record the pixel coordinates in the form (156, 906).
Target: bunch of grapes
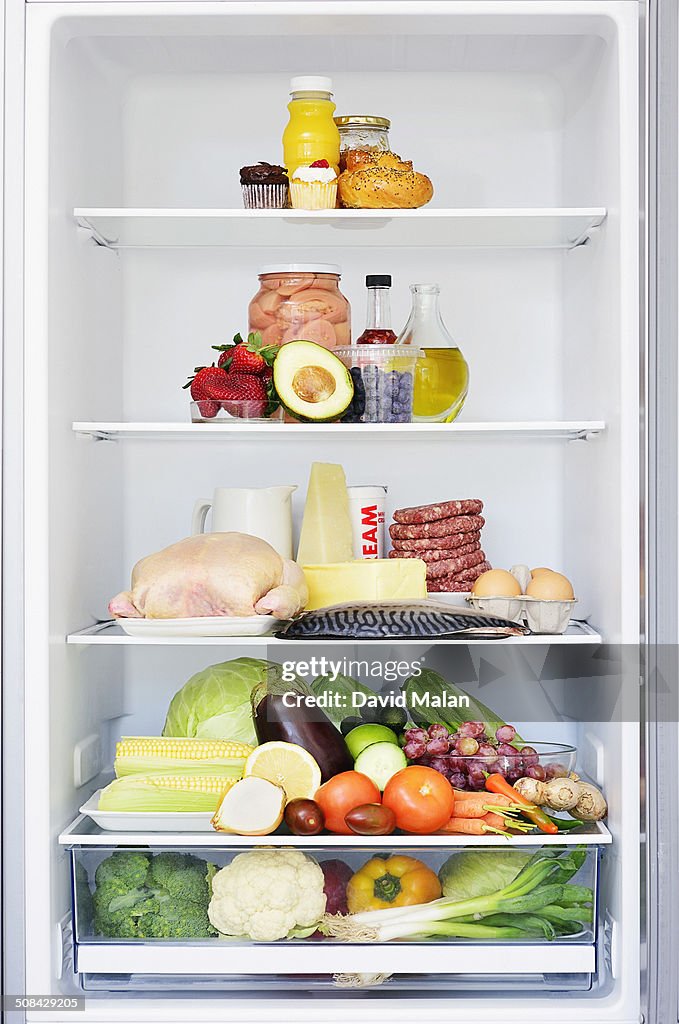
(465, 757)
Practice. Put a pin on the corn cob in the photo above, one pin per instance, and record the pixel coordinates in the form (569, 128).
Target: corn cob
(143, 755)
(172, 793)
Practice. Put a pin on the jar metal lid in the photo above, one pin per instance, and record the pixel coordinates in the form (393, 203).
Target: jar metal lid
(362, 121)
(301, 268)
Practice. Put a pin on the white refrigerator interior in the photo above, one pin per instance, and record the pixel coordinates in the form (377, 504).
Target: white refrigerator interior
(139, 257)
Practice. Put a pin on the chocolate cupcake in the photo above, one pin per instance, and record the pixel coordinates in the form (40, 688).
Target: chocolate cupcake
(265, 187)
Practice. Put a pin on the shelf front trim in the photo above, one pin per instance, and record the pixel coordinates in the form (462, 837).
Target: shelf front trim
(504, 227)
(568, 430)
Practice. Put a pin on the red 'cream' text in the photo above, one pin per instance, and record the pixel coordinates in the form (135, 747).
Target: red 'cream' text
(370, 519)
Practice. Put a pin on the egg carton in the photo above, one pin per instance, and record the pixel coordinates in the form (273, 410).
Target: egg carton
(539, 615)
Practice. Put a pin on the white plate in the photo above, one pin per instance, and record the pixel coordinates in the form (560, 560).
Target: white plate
(144, 821)
(250, 625)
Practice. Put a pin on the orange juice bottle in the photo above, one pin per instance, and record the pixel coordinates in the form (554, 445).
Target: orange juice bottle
(311, 133)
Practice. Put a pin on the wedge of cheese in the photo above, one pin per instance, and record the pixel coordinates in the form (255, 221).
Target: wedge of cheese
(326, 527)
(383, 579)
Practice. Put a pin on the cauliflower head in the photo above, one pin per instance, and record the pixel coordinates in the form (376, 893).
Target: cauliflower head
(266, 894)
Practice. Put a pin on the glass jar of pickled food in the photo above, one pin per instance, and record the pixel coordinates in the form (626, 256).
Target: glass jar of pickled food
(362, 131)
(300, 302)
(441, 372)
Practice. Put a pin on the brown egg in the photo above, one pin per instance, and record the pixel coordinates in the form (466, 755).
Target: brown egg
(550, 586)
(540, 571)
(496, 583)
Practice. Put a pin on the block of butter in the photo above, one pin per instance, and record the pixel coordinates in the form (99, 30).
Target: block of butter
(374, 579)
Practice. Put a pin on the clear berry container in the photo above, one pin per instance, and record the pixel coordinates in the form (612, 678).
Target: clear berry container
(383, 377)
(210, 411)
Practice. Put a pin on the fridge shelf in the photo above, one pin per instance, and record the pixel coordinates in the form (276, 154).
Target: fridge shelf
(304, 958)
(84, 832)
(566, 430)
(110, 633)
(546, 228)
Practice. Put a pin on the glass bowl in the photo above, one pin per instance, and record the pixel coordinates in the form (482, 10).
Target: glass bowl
(210, 411)
(545, 761)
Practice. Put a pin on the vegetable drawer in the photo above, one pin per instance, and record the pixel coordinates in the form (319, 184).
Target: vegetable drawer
(144, 912)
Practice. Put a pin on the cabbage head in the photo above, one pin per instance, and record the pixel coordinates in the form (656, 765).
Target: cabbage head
(473, 873)
(215, 703)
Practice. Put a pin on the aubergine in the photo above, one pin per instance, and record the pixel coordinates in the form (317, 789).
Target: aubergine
(301, 723)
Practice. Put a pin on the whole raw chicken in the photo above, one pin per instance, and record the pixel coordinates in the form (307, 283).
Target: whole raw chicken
(213, 574)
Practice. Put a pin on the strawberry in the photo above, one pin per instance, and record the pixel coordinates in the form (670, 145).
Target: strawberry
(207, 383)
(320, 163)
(207, 408)
(246, 357)
(248, 393)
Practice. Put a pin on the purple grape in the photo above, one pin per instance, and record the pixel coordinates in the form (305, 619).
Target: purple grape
(440, 764)
(476, 780)
(487, 750)
(530, 756)
(554, 770)
(438, 746)
(419, 735)
(505, 734)
(536, 771)
(438, 732)
(475, 730)
(414, 749)
(458, 780)
(507, 750)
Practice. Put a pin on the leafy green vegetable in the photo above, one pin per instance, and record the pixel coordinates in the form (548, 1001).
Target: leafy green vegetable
(430, 698)
(480, 872)
(166, 896)
(342, 687)
(215, 703)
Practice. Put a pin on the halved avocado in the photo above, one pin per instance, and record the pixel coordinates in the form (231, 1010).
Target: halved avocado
(312, 383)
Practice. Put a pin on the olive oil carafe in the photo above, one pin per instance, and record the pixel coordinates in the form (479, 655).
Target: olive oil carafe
(441, 374)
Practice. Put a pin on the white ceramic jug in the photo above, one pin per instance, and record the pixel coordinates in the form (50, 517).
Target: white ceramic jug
(264, 512)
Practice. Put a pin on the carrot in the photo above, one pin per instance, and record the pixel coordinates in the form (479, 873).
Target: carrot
(496, 821)
(475, 805)
(497, 783)
(469, 826)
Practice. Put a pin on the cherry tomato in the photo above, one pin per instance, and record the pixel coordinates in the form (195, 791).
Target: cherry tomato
(371, 820)
(341, 794)
(421, 798)
(304, 817)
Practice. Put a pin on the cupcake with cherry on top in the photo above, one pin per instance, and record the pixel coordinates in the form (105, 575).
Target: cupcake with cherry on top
(314, 187)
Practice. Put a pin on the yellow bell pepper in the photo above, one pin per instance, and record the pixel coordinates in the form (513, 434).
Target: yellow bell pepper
(391, 882)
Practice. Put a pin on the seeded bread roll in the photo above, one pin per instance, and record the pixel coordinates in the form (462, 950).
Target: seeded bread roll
(382, 181)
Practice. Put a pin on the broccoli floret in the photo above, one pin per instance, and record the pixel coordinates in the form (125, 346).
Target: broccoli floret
(176, 919)
(182, 876)
(125, 866)
(117, 909)
(165, 896)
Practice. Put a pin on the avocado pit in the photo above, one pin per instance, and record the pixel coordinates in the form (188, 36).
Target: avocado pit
(313, 384)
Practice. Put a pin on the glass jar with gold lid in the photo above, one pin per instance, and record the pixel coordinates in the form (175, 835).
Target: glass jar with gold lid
(362, 131)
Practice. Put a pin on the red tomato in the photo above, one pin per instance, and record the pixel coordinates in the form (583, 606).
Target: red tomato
(421, 799)
(341, 794)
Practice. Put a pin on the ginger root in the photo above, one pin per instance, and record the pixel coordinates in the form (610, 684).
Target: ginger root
(580, 799)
